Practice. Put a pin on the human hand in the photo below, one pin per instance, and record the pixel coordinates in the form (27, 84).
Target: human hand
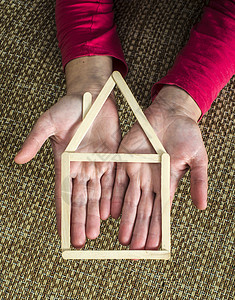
(91, 182)
(173, 115)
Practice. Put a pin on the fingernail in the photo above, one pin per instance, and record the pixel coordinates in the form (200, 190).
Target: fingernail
(19, 151)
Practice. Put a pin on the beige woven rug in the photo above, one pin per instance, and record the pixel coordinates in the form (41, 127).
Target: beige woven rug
(31, 80)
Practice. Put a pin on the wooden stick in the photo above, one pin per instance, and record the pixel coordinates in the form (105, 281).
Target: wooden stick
(65, 201)
(86, 103)
(140, 116)
(91, 115)
(115, 254)
(165, 201)
(115, 157)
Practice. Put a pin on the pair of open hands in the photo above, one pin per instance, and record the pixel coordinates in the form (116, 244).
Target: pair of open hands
(101, 189)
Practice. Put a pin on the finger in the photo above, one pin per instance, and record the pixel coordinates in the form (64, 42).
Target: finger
(93, 214)
(199, 184)
(154, 234)
(78, 212)
(120, 186)
(141, 228)
(174, 181)
(41, 131)
(129, 212)
(107, 182)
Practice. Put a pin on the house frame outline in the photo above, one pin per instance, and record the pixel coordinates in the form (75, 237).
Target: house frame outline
(89, 114)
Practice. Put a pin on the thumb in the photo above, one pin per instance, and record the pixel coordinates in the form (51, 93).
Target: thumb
(199, 181)
(41, 131)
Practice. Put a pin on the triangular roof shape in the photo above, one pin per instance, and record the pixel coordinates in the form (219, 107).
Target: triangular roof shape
(89, 117)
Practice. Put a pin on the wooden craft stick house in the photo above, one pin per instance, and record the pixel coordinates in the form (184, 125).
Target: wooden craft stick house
(89, 115)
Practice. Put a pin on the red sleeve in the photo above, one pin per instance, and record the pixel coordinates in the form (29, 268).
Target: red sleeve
(86, 28)
(206, 64)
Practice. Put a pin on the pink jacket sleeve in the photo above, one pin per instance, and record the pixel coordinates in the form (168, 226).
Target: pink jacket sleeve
(202, 68)
(205, 65)
(86, 28)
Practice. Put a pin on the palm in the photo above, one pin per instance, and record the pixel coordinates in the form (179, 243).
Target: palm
(91, 182)
(141, 213)
(65, 117)
(88, 203)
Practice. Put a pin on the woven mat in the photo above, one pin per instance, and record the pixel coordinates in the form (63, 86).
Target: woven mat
(31, 80)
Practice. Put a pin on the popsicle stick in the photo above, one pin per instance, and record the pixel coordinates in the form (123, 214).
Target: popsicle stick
(91, 115)
(140, 116)
(115, 254)
(86, 103)
(165, 201)
(65, 201)
(116, 157)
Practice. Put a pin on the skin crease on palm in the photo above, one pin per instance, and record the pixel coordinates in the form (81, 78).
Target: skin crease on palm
(134, 189)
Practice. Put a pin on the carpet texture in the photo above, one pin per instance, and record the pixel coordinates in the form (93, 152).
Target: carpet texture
(31, 80)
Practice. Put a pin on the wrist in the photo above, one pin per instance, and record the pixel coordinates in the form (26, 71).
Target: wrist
(178, 101)
(88, 73)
